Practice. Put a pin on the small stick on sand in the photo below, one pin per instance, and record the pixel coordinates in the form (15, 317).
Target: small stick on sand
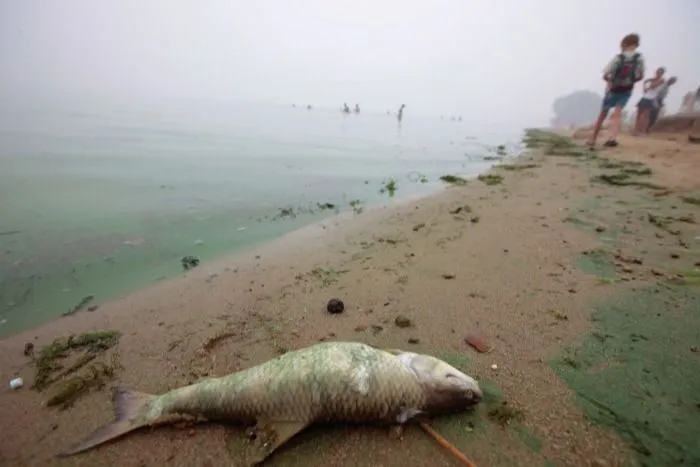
(447, 445)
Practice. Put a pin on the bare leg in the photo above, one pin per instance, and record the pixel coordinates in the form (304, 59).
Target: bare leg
(643, 121)
(598, 124)
(637, 122)
(616, 123)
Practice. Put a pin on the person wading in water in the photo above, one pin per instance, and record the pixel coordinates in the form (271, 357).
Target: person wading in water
(399, 115)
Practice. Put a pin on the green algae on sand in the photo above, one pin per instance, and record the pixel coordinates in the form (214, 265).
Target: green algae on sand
(637, 374)
(51, 366)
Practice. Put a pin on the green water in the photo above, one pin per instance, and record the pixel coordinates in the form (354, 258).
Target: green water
(103, 200)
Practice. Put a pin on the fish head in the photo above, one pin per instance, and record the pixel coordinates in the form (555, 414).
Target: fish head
(446, 389)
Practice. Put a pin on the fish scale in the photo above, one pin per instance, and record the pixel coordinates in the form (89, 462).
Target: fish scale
(327, 382)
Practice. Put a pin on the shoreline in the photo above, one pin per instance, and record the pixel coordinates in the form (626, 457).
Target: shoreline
(515, 263)
(292, 238)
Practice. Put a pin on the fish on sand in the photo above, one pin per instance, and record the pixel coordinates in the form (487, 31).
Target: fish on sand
(326, 382)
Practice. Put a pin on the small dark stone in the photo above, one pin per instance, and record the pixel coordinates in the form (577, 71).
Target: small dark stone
(335, 306)
(402, 321)
(93, 307)
(413, 340)
(448, 275)
(600, 228)
(675, 255)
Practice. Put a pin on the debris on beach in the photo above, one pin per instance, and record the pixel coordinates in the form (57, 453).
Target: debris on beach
(335, 306)
(448, 275)
(16, 383)
(189, 262)
(325, 206)
(403, 321)
(356, 206)
(477, 343)
(559, 315)
(389, 187)
(95, 376)
(466, 208)
(48, 363)
(454, 180)
(29, 349)
(81, 304)
(287, 211)
(624, 179)
(490, 179)
(514, 167)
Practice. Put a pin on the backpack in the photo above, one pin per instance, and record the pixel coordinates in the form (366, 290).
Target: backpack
(625, 74)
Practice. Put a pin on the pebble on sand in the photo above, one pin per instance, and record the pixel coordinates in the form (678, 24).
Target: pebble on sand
(335, 306)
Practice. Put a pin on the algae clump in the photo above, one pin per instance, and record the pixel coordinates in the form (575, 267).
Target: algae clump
(453, 179)
(491, 179)
(48, 363)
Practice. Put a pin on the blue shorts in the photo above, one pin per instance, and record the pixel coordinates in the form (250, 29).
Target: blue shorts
(616, 99)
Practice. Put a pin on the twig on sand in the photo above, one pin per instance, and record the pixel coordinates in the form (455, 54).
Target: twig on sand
(447, 445)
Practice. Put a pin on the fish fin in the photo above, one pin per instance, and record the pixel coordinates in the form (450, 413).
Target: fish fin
(131, 412)
(266, 436)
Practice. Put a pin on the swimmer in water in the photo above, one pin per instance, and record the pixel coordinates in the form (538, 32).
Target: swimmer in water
(399, 115)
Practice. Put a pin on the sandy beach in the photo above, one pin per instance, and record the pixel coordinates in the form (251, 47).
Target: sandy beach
(524, 262)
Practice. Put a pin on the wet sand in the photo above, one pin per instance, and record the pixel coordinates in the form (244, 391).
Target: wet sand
(503, 267)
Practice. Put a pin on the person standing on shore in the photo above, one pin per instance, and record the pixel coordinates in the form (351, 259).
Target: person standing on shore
(620, 75)
(659, 102)
(399, 115)
(652, 86)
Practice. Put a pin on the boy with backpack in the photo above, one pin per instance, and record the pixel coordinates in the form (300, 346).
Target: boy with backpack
(620, 75)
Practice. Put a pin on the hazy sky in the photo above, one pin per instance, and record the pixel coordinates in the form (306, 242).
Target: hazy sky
(502, 59)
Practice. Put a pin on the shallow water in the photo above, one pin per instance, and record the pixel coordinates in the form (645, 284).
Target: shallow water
(101, 200)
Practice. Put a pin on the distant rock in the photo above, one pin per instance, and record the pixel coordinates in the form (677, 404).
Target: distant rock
(577, 109)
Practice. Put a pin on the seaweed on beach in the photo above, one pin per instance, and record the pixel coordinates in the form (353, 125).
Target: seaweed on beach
(48, 363)
(691, 200)
(454, 180)
(389, 187)
(356, 206)
(82, 304)
(95, 377)
(625, 179)
(514, 167)
(490, 179)
(553, 144)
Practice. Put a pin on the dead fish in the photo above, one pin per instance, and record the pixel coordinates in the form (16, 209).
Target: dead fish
(327, 382)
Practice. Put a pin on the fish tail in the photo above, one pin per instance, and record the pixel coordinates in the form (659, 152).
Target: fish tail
(132, 410)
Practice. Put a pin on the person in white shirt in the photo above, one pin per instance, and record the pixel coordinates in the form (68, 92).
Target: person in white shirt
(652, 86)
(659, 102)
